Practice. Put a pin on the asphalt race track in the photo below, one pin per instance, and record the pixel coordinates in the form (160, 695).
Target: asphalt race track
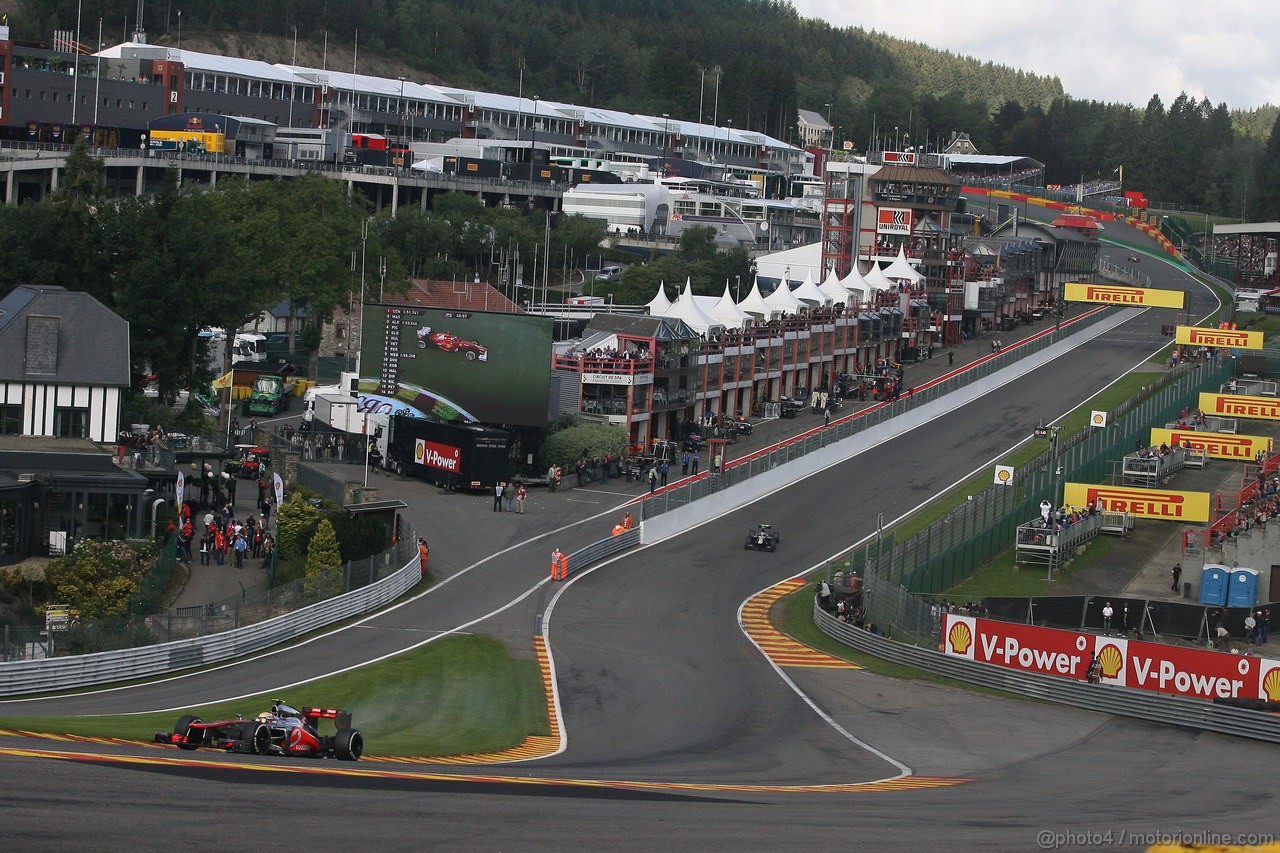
(680, 734)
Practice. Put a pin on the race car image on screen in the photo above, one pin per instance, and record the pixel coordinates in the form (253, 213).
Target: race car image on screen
(451, 343)
(283, 730)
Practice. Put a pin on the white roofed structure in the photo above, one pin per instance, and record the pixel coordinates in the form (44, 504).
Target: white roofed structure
(686, 309)
(835, 291)
(754, 303)
(855, 283)
(810, 292)
(784, 300)
(659, 304)
(877, 280)
(901, 270)
(726, 311)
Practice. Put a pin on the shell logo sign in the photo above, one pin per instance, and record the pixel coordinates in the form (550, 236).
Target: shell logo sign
(960, 638)
(1269, 686)
(1111, 655)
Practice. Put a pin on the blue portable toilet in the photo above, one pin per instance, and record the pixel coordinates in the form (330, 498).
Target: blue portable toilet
(1243, 590)
(1213, 585)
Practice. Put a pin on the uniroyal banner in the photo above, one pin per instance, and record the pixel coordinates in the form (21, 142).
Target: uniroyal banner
(893, 220)
(1214, 444)
(1144, 503)
(1229, 338)
(446, 457)
(1114, 294)
(1197, 673)
(1240, 406)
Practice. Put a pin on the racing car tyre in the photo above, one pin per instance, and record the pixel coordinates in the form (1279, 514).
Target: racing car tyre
(260, 742)
(471, 356)
(183, 728)
(348, 745)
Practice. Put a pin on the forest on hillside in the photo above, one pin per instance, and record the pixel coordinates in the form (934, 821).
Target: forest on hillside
(749, 63)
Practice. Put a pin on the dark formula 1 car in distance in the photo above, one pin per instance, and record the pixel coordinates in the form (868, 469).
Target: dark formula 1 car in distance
(450, 342)
(762, 537)
(283, 730)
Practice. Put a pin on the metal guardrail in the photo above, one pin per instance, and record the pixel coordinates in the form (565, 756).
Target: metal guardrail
(55, 674)
(603, 549)
(1106, 699)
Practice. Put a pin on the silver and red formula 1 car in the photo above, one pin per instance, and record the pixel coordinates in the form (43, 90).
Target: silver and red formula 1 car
(283, 730)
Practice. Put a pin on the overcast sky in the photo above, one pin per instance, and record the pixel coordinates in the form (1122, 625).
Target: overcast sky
(1120, 52)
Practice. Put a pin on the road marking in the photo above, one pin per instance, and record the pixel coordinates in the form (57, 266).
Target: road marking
(306, 769)
(777, 646)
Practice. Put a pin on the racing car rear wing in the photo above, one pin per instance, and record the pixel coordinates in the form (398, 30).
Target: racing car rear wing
(341, 719)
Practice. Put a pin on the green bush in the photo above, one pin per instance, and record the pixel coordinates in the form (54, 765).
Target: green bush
(565, 447)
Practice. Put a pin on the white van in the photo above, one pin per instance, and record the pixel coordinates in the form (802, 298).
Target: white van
(610, 273)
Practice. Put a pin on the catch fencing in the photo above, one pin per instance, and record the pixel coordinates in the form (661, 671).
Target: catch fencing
(955, 546)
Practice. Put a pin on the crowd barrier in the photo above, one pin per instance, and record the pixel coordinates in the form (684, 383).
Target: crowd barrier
(64, 673)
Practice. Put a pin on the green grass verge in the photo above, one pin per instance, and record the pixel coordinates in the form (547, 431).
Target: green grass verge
(1001, 577)
(456, 696)
(793, 616)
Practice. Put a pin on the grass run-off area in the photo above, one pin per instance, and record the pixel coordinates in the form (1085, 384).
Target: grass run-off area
(456, 696)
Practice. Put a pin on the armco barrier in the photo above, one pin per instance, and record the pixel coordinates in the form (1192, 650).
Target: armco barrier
(1106, 699)
(603, 549)
(54, 674)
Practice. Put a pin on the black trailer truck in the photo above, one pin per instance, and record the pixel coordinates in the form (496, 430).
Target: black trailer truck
(451, 455)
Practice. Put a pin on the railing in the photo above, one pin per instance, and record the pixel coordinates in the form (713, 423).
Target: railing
(1107, 699)
(64, 673)
(248, 609)
(603, 549)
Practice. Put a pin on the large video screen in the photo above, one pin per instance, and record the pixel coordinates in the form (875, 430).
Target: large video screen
(449, 365)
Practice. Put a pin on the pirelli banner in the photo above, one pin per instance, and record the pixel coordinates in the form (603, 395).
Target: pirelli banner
(1194, 673)
(1114, 294)
(1242, 448)
(1144, 503)
(1240, 406)
(1227, 338)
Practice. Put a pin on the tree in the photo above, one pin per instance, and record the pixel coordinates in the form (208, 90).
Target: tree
(99, 578)
(170, 282)
(1266, 184)
(293, 517)
(323, 556)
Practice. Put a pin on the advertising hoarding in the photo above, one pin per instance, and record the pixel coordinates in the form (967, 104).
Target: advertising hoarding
(1229, 338)
(1144, 503)
(1114, 294)
(1242, 448)
(1177, 670)
(1240, 406)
